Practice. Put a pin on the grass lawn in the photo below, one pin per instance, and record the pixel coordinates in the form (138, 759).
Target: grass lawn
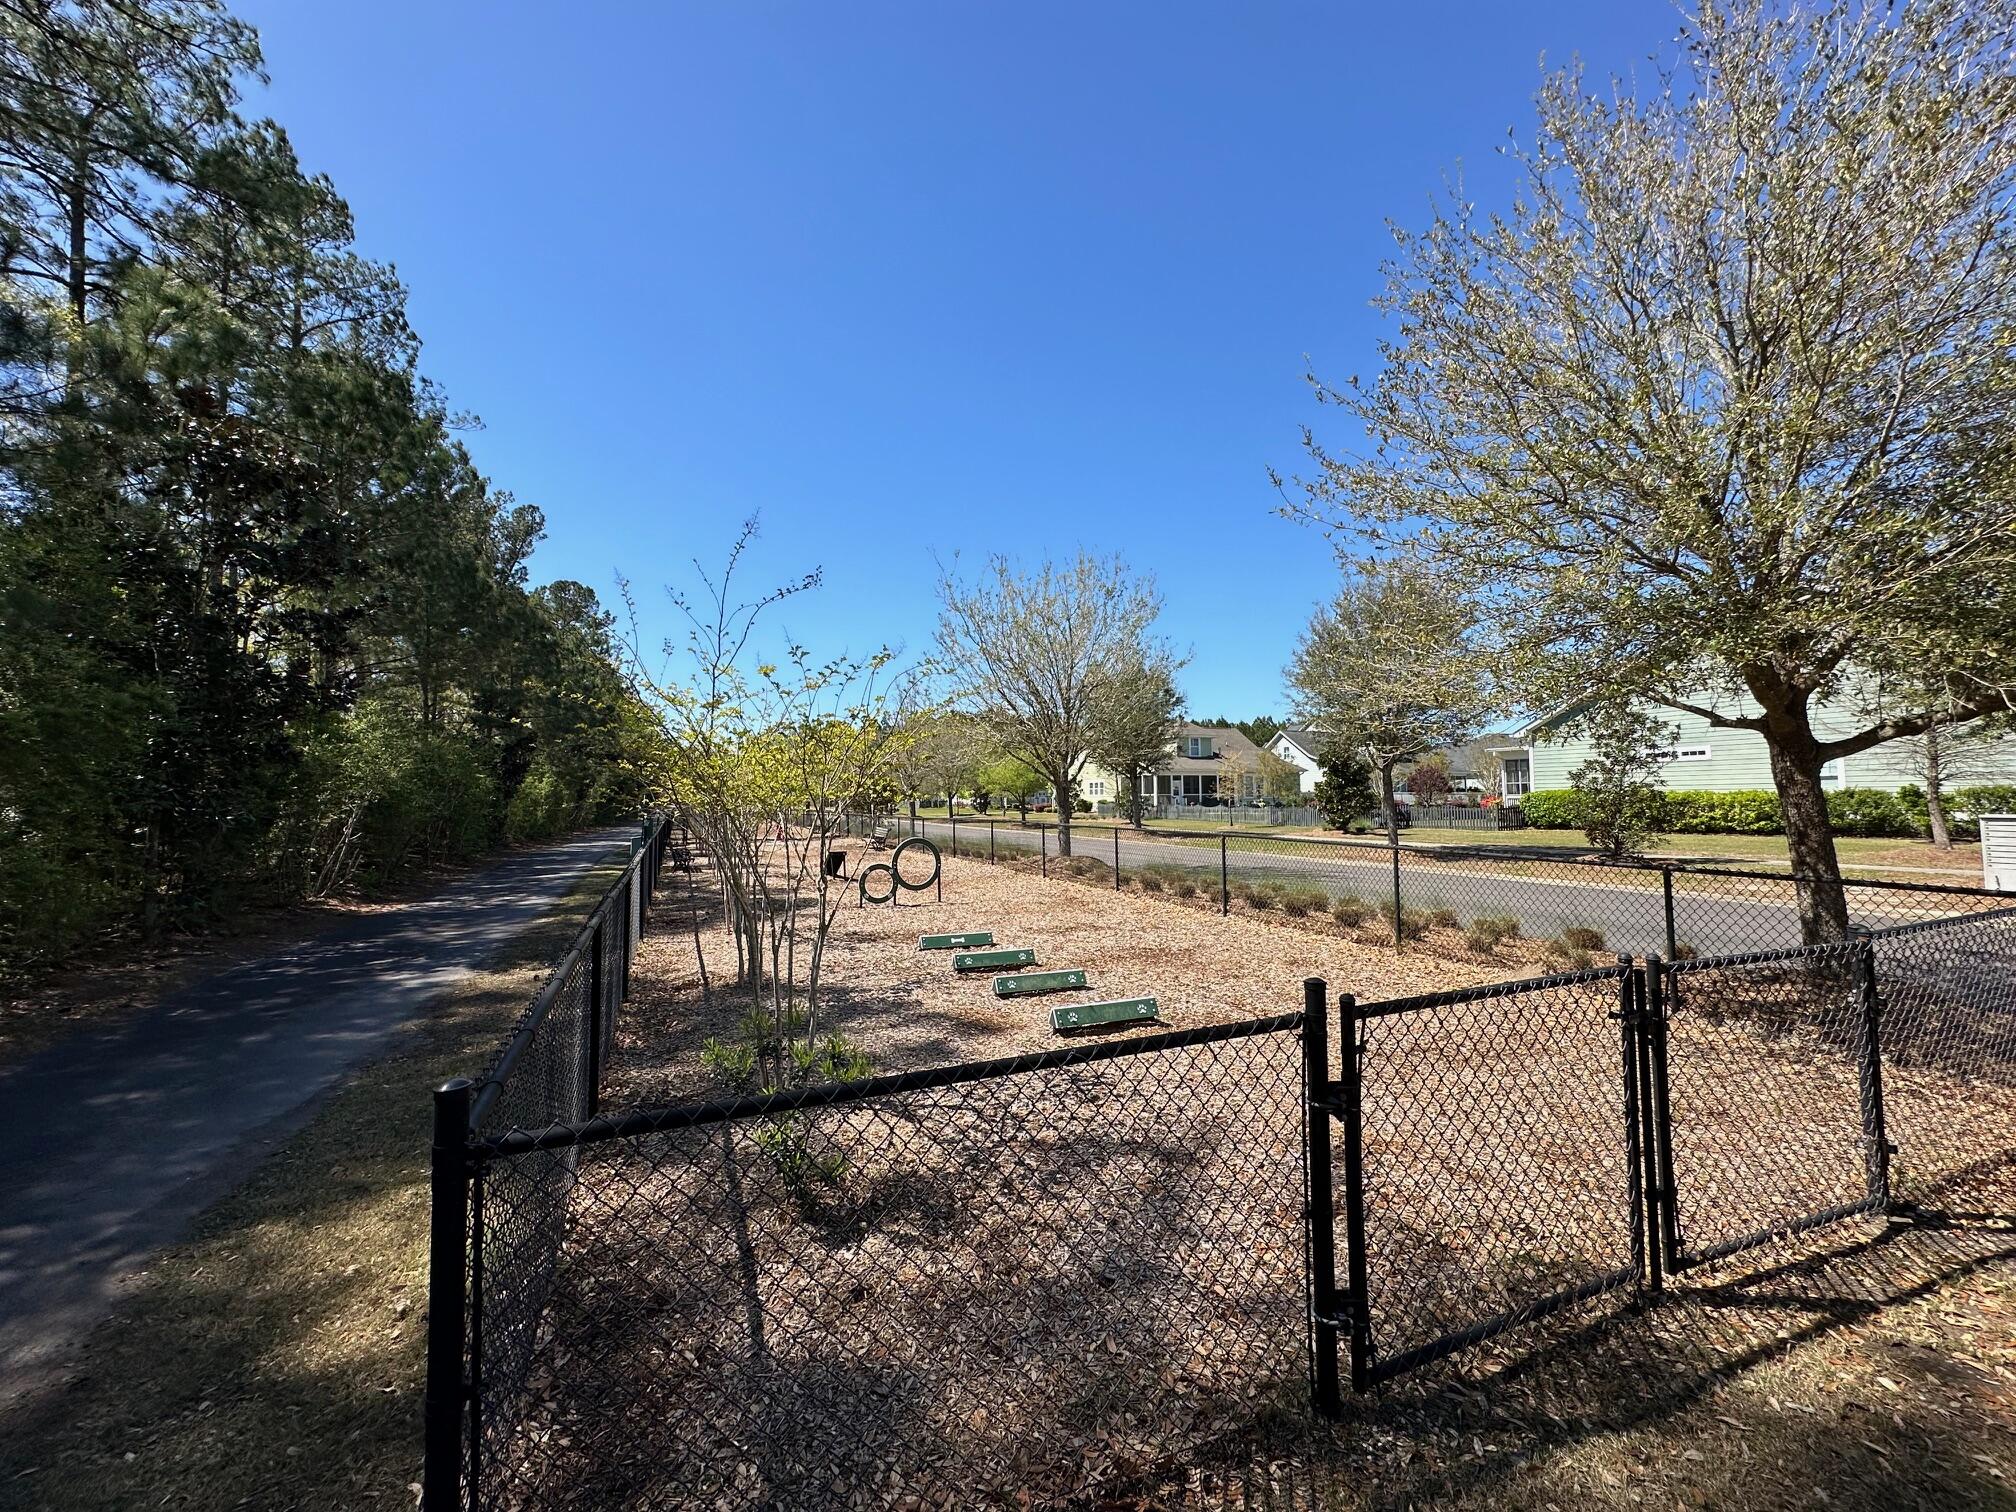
(275, 1359)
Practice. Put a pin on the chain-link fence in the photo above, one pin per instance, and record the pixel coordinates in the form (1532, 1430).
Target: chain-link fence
(945, 1285)
(1514, 1149)
(1450, 899)
(549, 1071)
(1770, 1097)
(961, 1284)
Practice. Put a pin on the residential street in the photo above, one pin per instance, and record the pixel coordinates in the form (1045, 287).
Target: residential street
(1631, 917)
(122, 1135)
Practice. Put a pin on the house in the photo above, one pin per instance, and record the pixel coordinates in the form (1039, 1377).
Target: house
(1714, 758)
(1206, 764)
(1301, 746)
(1473, 766)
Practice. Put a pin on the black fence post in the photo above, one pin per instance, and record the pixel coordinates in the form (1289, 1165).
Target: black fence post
(990, 842)
(445, 1402)
(1663, 1192)
(629, 944)
(1398, 932)
(1116, 858)
(1641, 1176)
(1672, 939)
(1350, 1108)
(1043, 845)
(1224, 886)
(1875, 1135)
(598, 1010)
(1320, 1225)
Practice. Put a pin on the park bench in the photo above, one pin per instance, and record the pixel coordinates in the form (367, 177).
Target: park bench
(879, 835)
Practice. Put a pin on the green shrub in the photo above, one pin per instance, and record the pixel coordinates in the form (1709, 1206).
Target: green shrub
(1350, 912)
(1183, 887)
(1442, 918)
(1413, 923)
(1488, 931)
(1582, 937)
(1986, 798)
(1552, 808)
(1150, 880)
(832, 1060)
(1746, 811)
(733, 1064)
(1871, 813)
(1568, 957)
(1300, 902)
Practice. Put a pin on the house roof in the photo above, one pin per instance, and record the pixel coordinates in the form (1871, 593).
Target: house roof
(1305, 738)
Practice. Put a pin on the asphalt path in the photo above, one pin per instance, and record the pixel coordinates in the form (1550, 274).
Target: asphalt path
(119, 1137)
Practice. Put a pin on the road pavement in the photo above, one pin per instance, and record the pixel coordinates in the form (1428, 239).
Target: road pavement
(118, 1137)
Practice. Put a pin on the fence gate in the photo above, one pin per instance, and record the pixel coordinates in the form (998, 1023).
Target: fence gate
(1767, 1097)
(1493, 1166)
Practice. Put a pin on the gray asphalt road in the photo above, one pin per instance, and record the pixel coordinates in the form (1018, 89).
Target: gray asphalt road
(1631, 918)
(118, 1138)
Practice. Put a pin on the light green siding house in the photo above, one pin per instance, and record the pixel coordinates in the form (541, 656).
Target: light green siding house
(1711, 758)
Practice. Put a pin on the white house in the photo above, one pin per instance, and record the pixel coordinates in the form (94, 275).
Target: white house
(1301, 746)
(1207, 764)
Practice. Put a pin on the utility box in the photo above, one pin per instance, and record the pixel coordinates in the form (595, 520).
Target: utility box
(1998, 851)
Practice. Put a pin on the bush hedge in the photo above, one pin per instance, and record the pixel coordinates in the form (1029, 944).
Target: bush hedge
(1866, 812)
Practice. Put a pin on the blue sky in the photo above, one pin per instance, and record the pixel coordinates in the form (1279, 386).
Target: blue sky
(911, 280)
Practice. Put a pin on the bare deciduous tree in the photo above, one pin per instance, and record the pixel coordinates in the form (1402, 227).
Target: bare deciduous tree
(1135, 716)
(1388, 668)
(1028, 653)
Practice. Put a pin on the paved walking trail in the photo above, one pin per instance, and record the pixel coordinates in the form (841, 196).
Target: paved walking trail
(118, 1138)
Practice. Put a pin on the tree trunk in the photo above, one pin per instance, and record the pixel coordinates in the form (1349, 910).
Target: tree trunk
(1935, 800)
(1389, 803)
(77, 212)
(1809, 833)
(1061, 787)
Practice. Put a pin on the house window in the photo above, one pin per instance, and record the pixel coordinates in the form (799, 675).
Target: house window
(1095, 788)
(1197, 746)
(1832, 772)
(1518, 777)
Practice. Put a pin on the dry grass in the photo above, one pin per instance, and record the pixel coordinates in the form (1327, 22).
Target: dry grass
(274, 1360)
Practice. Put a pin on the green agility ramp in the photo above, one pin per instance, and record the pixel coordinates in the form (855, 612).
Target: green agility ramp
(1039, 981)
(964, 941)
(993, 960)
(1104, 1015)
